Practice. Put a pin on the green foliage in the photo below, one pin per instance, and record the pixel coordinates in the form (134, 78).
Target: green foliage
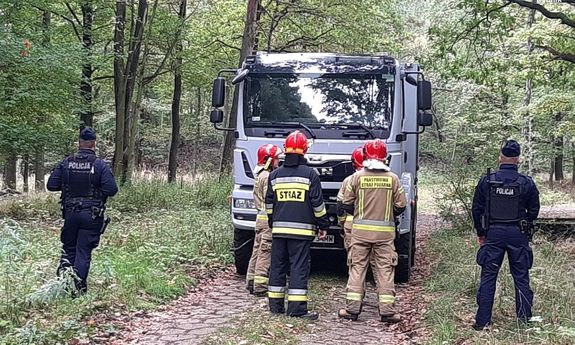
(143, 260)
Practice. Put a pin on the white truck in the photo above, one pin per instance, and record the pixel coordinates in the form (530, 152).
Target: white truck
(339, 102)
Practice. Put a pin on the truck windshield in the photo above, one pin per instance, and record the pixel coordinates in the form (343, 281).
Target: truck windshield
(319, 101)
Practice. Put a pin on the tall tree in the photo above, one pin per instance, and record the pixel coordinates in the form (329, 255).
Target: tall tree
(86, 89)
(39, 173)
(125, 74)
(176, 98)
(249, 45)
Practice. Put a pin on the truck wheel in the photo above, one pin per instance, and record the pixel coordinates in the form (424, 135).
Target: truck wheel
(403, 268)
(243, 245)
(413, 234)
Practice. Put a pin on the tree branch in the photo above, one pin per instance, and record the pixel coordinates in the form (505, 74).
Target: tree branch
(463, 34)
(549, 14)
(73, 13)
(557, 55)
(222, 43)
(69, 20)
(103, 77)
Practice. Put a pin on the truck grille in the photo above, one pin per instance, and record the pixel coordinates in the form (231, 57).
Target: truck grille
(333, 171)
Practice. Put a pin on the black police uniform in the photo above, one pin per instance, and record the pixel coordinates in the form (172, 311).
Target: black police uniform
(296, 209)
(512, 197)
(85, 182)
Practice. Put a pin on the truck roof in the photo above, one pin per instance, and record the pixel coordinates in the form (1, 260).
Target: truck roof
(319, 63)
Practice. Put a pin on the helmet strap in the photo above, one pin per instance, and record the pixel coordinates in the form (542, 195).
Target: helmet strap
(268, 163)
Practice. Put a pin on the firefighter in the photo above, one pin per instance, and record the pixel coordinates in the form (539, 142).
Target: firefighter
(295, 208)
(505, 204)
(86, 182)
(375, 197)
(345, 220)
(257, 276)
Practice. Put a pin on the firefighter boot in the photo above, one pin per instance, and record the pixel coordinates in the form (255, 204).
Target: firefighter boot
(310, 316)
(250, 287)
(392, 318)
(344, 314)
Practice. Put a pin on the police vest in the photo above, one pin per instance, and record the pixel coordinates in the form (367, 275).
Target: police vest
(78, 177)
(505, 205)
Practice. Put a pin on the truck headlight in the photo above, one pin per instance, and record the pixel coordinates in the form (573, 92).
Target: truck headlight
(244, 203)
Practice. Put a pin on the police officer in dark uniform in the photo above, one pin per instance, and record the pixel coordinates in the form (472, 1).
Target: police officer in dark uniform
(85, 182)
(295, 208)
(505, 205)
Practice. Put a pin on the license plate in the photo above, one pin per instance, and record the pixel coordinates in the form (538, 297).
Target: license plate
(328, 239)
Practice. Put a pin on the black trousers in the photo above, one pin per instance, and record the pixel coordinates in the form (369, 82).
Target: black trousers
(293, 257)
(80, 235)
(501, 240)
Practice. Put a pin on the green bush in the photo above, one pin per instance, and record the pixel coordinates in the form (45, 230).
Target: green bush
(159, 233)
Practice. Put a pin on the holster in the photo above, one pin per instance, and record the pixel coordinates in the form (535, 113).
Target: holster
(527, 228)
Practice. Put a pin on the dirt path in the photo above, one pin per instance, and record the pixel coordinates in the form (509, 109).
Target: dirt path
(223, 301)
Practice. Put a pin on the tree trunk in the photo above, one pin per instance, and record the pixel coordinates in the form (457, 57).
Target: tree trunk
(528, 126)
(39, 180)
(249, 40)
(177, 96)
(86, 112)
(558, 151)
(573, 166)
(197, 134)
(10, 171)
(119, 86)
(26, 172)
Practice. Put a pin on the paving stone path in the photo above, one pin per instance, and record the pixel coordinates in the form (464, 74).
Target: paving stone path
(368, 329)
(192, 318)
(218, 301)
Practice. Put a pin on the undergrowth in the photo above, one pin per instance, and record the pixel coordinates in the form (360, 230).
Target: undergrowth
(159, 233)
(454, 283)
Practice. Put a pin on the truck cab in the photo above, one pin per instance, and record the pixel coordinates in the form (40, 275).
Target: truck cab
(340, 102)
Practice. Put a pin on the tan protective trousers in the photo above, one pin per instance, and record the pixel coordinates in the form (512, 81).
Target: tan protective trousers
(384, 260)
(258, 269)
(347, 227)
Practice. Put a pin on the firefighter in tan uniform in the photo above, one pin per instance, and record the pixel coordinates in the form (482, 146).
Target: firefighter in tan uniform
(375, 197)
(257, 276)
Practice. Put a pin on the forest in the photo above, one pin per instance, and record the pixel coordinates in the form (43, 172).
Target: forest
(141, 71)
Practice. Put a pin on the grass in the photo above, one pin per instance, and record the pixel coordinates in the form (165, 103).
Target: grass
(158, 235)
(455, 278)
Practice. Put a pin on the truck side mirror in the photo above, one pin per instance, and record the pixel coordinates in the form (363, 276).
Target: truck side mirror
(424, 119)
(424, 95)
(217, 116)
(218, 93)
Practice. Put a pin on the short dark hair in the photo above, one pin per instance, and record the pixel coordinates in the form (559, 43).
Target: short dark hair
(86, 144)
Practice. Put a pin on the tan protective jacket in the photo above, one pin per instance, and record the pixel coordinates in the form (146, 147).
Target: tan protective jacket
(260, 190)
(374, 194)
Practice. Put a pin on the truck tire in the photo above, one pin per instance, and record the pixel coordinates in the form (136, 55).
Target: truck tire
(413, 234)
(243, 245)
(403, 268)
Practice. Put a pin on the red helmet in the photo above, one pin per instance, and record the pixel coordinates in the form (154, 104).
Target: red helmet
(357, 158)
(375, 149)
(266, 152)
(296, 142)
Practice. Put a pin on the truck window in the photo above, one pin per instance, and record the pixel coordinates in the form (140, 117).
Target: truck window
(321, 101)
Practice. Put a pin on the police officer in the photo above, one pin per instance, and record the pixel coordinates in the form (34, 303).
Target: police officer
(85, 182)
(375, 197)
(295, 208)
(503, 202)
(257, 276)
